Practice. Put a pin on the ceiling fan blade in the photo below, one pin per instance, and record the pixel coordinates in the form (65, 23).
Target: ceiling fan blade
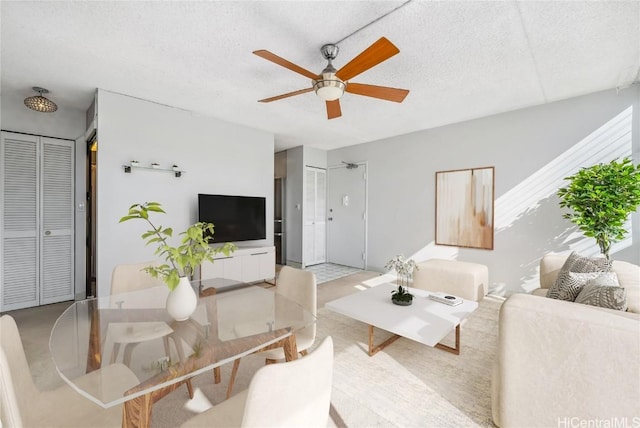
(284, 63)
(378, 52)
(287, 95)
(381, 92)
(333, 109)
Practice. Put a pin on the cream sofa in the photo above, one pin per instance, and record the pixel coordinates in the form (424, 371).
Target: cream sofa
(628, 276)
(566, 364)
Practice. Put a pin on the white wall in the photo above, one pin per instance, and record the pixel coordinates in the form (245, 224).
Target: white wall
(532, 150)
(315, 157)
(294, 202)
(218, 157)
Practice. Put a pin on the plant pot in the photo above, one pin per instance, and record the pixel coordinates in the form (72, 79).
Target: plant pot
(402, 302)
(182, 301)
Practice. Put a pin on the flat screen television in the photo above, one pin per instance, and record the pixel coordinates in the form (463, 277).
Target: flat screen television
(235, 218)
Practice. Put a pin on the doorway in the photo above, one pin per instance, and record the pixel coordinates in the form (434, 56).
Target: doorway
(279, 209)
(347, 215)
(91, 212)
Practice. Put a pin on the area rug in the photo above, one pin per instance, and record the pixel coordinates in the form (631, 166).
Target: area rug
(405, 385)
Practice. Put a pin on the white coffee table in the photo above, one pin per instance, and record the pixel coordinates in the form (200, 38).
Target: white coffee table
(425, 321)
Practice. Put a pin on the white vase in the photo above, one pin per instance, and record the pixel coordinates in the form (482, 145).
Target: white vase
(182, 301)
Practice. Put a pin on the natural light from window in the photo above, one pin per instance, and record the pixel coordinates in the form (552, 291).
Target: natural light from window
(612, 140)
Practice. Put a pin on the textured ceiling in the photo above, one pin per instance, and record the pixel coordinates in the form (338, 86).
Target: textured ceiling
(461, 60)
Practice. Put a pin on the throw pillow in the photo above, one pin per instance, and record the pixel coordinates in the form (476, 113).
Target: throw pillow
(605, 292)
(605, 279)
(570, 284)
(579, 264)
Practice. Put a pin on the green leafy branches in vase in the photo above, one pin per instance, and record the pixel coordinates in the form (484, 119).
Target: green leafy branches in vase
(404, 272)
(182, 260)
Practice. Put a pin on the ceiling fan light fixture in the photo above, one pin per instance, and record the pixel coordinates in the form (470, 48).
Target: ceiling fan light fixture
(40, 103)
(329, 87)
(329, 90)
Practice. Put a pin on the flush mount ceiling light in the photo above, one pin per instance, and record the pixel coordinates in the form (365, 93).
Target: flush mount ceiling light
(40, 103)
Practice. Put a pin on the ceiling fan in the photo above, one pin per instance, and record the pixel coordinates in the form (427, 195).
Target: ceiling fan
(331, 84)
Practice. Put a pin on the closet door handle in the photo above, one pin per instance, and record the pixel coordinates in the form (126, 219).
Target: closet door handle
(48, 232)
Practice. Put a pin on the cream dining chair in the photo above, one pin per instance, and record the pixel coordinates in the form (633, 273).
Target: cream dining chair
(301, 287)
(128, 278)
(293, 394)
(23, 405)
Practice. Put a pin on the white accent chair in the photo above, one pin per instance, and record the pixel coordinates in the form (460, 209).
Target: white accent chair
(301, 287)
(293, 394)
(23, 405)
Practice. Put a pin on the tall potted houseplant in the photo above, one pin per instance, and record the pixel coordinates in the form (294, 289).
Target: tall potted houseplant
(601, 198)
(181, 260)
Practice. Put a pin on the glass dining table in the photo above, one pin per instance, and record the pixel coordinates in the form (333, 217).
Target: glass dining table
(160, 354)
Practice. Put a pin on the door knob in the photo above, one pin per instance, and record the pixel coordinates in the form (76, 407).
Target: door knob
(48, 232)
(330, 219)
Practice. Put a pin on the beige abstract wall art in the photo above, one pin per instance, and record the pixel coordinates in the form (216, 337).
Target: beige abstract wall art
(464, 208)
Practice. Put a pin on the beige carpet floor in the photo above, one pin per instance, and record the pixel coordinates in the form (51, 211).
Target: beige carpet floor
(405, 385)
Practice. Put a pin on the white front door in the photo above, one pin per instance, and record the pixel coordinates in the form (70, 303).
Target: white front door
(347, 216)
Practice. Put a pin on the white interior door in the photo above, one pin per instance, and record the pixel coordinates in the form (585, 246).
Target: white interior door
(20, 188)
(314, 238)
(57, 233)
(37, 221)
(347, 216)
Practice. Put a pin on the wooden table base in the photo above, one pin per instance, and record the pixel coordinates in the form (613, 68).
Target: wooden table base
(453, 350)
(373, 349)
(136, 413)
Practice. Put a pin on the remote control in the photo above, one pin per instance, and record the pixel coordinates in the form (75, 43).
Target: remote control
(445, 298)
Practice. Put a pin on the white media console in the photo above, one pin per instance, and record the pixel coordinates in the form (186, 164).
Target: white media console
(246, 264)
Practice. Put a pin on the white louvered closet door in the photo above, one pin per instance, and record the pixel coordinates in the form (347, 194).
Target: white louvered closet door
(56, 275)
(20, 283)
(314, 243)
(37, 221)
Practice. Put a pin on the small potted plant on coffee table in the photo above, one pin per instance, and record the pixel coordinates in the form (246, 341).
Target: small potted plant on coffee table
(401, 296)
(404, 271)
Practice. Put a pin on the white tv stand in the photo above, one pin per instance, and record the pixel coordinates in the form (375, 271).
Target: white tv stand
(246, 264)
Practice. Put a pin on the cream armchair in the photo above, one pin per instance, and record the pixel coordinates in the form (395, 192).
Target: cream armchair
(562, 363)
(628, 276)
